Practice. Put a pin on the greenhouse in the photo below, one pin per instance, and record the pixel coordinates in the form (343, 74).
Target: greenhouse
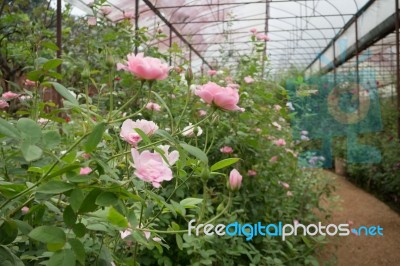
(207, 132)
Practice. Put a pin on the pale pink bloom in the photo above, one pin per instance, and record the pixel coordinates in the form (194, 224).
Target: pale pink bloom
(91, 21)
(105, 10)
(273, 159)
(125, 233)
(85, 171)
(25, 210)
(128, 14)
(153, 106)
(270, 138)
(304, 132)
(350, 222)
(258, 130)
(202, 113)
(225, 98)
(235, 180)
(305, 138)
(129, 134)
(173, 96)
(171, 157)
(280, 142)
(9, 95)
(147, 68)
(248, 80)
(150, 167)
(43, 121)
(262, 37)
(3, 104)
(25, 97)
(289, 194)
(251, 173)
(275, 124)
(29, 82)
(296, 222)
(189, 131)
(212, 72)
(157, 239)
(284, 185)
(233, 86)
(292, 152)
(86, 156)
(228, 79)
(277, 107)
(226, 150)
(253, 30)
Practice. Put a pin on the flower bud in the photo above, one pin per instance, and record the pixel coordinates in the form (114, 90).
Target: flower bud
(189, 75)
(235, 180)
(110, 62)
(205, 174)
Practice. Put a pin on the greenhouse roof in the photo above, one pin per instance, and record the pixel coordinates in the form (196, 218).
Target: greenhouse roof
(300, 32)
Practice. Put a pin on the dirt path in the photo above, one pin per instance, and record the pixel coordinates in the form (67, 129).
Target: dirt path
(363, 209)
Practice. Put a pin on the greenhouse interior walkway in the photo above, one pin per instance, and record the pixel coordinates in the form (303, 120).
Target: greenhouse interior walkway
(362, 208)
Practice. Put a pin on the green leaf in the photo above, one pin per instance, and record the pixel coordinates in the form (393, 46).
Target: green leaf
(116, 218)
(7, 258)
(31, 152)
(8, 232)
(143, 135)
(78, 249)
(61, 171)
(51, 139)
(64, 92)
(50, 45)
(196, 152)
(179, 241)
(69, 216)
(223, 163)
(165, 134)
(54, 187)
(163, 104)
(76, 199)
(88, 204)
(190, 202)
(35, 75)
(79, 229)
(8, 129)
(48, 234)
(106, 199)
(30, 130)
(95, 137)
(64, 257)
(51, 64)
(24, 227)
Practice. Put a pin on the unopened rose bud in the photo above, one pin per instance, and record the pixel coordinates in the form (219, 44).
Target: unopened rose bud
(235, 180)
(189, 75)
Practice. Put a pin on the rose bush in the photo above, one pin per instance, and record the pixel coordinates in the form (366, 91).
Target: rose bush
(117, 182)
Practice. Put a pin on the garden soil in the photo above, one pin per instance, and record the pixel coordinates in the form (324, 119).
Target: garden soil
(354, 204)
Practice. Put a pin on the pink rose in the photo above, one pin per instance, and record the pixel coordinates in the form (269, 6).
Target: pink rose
(171, 157)
(85, 171)
(284, 185)
(248, 80)
(280, 142)
(29, 82)
(235, 180)
(277, 107)
(226, 149)
(105, 10)
(25, 210)
(258, 130)
(128, 15)
(253, 30)
(262, 37)
(234, 86)
(129, 134)
(150, 167)
(202, 113)
(225, 98)
(91, 21)
(43, 121)
(9, 95)
(3, 104)
(153, 106)
(146, 68)
(251, 173)
(273, 159)
(212, 72)
(228, 79)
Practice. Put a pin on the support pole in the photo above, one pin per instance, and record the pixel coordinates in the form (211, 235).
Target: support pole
(266, 33)
(136, 26)
(55, 96)
(397, 66)
(170, 45)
